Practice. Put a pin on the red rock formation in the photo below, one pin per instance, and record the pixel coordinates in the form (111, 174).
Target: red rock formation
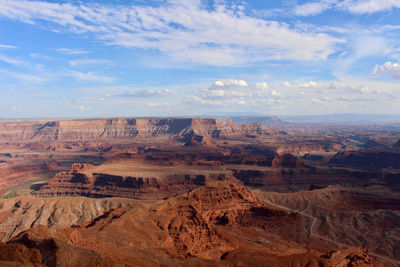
(351, 257)
(20, 255)
(287, 161)
(78, 181)
(211, 225)
(78, 167)
(300, 149)
(76, 135)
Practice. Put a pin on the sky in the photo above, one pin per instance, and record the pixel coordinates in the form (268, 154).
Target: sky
(103, 58)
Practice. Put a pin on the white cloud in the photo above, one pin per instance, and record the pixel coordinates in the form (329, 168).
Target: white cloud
(261, 86)
(368, 6)
(389, 68)
(222, 93)
(353, 6)
(91, 76)
(152, 104)
(274, 93)
(182, 30)
(230, 83)
(310, 84)
(70, 51)
(313, 8)
(203, 101)
(7, 46)
(25, 78)
(85, 62)
(147, 93)
(260, 90)
(10, 60)
(41, 56)
(81, 107)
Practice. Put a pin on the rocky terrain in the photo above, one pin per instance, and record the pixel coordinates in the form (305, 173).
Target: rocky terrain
(184, 191)
(222, 223)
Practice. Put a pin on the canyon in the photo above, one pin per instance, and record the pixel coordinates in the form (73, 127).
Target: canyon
(198, 191)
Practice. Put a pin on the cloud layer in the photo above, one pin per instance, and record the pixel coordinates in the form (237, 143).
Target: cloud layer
(359, 7)
(183, 30)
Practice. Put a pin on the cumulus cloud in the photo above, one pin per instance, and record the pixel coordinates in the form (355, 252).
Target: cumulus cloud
(310, 84)
(222, 93)
(260, 90)
(223, 89)
(261, 86)
(230, 83)
(389, 68)
(183, 30)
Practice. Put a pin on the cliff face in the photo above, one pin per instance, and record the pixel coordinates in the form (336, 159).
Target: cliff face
(187, 130)
(80, 181)
(76, 130)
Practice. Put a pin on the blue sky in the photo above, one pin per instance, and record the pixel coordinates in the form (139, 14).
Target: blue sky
(192, 57)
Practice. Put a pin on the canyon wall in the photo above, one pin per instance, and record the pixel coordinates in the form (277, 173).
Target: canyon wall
(109, 129)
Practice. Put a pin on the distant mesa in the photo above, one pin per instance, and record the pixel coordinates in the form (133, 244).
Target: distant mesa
(68, 135)
(273, 121)
(146, 182)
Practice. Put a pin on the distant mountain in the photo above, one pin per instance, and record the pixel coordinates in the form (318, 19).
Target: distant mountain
(344, 118)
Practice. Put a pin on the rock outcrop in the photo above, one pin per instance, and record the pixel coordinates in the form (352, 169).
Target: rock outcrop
(83, 180)
(65, 134)
(351, 257)
(218, 224)
(23, 213)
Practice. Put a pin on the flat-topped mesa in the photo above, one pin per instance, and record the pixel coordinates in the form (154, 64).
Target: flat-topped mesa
(86, 180)
(100, 130)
